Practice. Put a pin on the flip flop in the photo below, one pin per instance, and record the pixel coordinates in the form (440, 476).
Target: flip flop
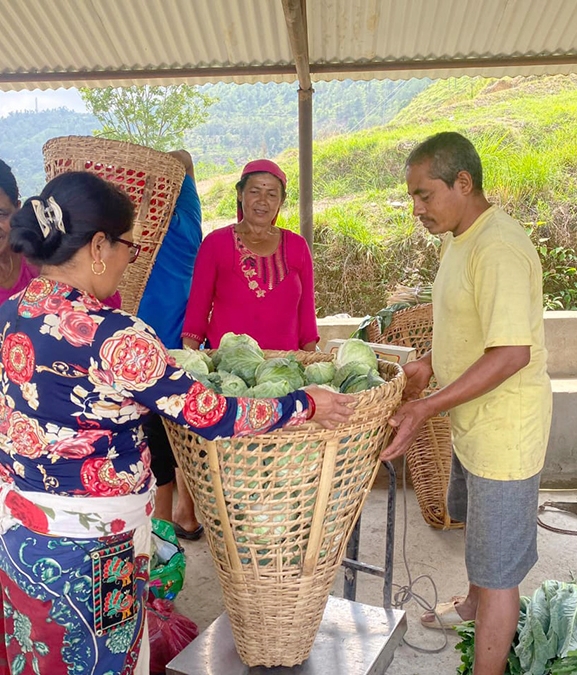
(446, 616)
(191, 535)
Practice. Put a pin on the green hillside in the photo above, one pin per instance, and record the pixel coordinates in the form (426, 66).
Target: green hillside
(366, 240)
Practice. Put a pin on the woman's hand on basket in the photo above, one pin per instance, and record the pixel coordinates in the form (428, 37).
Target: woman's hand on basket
(331, 409)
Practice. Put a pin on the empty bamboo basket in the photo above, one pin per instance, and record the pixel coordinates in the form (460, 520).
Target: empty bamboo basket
(429, 458)
(278, 510)
(152, 179)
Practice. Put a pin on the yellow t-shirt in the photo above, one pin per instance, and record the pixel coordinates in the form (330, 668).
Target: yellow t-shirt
(488, 293)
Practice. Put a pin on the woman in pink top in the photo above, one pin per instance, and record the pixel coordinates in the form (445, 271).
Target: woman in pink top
(15, 271)
(253, 277)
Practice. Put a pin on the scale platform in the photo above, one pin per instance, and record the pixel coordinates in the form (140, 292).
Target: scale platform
(353, 639)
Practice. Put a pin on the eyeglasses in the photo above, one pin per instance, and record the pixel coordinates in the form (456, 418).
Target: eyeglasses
(133, 248)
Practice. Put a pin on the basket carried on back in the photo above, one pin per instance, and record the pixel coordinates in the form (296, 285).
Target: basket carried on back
(152, 179)
(278, 510)
(429, 458)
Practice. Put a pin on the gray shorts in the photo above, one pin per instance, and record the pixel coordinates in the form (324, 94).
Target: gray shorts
(501, 525)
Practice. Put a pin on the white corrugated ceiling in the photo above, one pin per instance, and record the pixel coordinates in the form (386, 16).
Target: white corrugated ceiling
(53, 43)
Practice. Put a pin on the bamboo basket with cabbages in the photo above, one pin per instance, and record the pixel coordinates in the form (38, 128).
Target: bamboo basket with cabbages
(278, 508)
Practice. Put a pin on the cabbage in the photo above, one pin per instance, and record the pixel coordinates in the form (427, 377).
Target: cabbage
(232, 385)
(279, 369)
(191, 360)
(374, 379)
(233, 341)
(269, 389)
(321, 372)
(240, 355)
(241, 361)
(349, 370)
(213, 381)
(353, 384)
(356, 351)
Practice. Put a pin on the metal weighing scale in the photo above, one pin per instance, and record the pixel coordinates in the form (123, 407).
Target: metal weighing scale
(353, 639)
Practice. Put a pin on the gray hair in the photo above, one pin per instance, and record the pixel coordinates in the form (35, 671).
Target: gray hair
(449, 154)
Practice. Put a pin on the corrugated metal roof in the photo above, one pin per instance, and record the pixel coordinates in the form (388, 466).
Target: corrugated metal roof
(52, 43)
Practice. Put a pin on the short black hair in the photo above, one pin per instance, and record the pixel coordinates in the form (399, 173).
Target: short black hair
(8, 183)
(449, 153)
(89, 205)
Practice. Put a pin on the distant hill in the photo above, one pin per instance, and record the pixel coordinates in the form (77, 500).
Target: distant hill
(252, 120)
(366, 239)
(22, 135)
(247, 121)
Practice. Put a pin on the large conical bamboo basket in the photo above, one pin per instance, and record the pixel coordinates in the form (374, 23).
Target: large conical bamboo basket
(278, 510)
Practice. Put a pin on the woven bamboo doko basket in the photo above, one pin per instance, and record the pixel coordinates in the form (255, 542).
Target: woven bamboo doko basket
(429, 458)
(278, 510)
(152, 179)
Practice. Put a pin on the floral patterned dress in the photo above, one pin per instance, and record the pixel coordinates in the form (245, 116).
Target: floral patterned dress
(76, 381)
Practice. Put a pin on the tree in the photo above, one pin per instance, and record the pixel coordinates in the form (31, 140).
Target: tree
(157, 117)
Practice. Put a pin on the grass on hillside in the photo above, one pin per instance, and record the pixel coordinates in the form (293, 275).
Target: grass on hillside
(366, 240)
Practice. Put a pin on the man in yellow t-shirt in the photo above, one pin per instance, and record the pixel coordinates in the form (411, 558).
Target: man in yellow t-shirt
(489, 359)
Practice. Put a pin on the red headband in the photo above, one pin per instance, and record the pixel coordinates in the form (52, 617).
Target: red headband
(261, 166)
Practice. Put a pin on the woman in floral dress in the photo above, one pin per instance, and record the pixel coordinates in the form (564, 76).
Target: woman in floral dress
(77, 379)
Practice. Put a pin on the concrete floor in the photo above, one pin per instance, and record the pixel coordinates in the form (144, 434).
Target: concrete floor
(427, 552)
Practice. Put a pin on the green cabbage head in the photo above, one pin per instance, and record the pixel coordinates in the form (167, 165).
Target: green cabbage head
(349, 370)
(232, 341)
(281, 368)
(321, 372)
(270, 389)
(356, 351)
(192, 360)
(232, 385)
(241, 361)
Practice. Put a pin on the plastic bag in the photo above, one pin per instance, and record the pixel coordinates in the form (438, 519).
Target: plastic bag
(167, 561)
(169, 633)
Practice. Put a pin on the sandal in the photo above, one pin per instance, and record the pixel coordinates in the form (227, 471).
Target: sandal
(191, 535)
(446, 616)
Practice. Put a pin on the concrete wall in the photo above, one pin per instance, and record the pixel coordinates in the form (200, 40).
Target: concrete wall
(561, 341)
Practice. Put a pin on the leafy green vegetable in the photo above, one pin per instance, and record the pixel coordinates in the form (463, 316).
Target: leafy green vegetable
(234, 341)
(546, 639)
(241, 361)
(321, 372)
(191, 360)
(232, 385)
(274, 389)
(281, 368)
(349, 370)
(355, 351)
(548, 626)
(214, 381)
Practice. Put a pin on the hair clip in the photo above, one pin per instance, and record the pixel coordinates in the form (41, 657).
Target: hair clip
(49, 215)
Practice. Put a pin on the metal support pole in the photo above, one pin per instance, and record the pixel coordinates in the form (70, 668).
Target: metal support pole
(351, 561)
(306, 164)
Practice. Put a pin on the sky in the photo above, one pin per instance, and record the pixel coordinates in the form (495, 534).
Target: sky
(12, 101)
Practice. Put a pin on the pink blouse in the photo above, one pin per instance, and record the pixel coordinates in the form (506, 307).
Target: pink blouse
(270, 298)
(29, 272)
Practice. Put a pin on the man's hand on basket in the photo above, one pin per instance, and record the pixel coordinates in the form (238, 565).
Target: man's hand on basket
(331, 409)
(418, 374)
(407, 422)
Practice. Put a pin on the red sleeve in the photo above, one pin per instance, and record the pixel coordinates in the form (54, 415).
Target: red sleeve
(201, 292)
(308, 331)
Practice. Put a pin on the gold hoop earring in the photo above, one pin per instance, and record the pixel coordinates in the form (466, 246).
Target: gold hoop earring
(94, 262)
